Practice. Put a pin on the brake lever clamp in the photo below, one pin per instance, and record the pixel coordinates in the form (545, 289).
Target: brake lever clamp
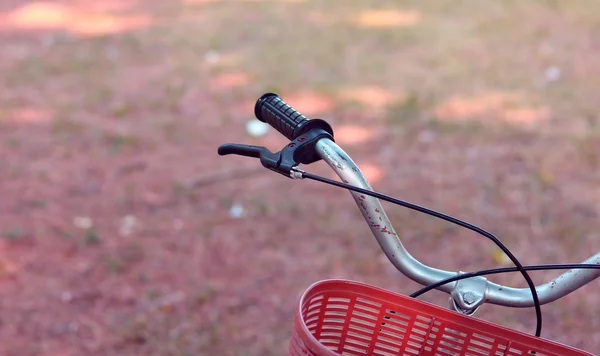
(300, 150)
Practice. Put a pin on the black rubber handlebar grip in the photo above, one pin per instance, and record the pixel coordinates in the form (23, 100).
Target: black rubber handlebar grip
(270, 108)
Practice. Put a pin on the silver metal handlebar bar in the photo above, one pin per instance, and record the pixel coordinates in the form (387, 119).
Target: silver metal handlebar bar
(480, 290)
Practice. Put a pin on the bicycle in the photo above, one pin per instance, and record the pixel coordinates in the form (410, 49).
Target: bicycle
(344, 317)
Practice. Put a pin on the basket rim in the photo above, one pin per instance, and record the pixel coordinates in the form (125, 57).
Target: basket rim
(329, 284)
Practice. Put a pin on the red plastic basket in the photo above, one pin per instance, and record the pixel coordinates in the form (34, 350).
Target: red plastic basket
(339, 317)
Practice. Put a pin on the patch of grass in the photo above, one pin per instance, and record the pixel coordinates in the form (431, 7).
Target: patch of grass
(127, 198)
(38, 204)
(143, 278)
(170, 130)
(14, 233)
(593, 122)
(226, 201)
(588, 148)
(544, 176)
(121, 109)
(15, 173)
(66, 126)
(33, 349)
(174, 92)
(91, 237)
(152, 293)
(13, 142)
(397, 36)
(261, 205)
(43, 175)
(453, 127)
(119, 262)
(136, 330)
(117, 142)
(96, 96)
(27, 71)
(272, 88)
(290, 207)
(210, 335)
(182, 190)
(65, 235)
(206, 231)
(114, 263)
(366, 262)
(133, 252)
(205, 294)
(410, 109)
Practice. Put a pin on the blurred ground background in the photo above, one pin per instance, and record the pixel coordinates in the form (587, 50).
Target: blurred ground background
(115, 211)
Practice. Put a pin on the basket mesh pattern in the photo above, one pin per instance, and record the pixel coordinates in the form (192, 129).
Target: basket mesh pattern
(356, 319)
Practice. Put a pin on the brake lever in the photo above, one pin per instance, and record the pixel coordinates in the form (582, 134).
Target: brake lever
(299, 150)
(267, 158)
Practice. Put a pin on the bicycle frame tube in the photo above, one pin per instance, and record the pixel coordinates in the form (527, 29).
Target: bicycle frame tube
(391, 245)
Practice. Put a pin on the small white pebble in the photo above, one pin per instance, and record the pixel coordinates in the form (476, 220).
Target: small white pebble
(257, 128)
(113, 54)
(473, 153)
(128, 222)
(426, 136)
(177, 224)
(82, 222)
(212, 56)
(387, 152)
(237, 211)
(66, 297)
(552, 74)
(48, 40)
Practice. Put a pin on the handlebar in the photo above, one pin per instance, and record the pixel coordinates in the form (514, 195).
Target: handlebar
(270, 108)
(391, 245)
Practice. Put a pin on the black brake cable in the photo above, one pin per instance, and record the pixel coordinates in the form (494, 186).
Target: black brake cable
(502, 270)
(518, 265)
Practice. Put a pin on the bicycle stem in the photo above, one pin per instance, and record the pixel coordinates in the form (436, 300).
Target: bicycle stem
(467, 294)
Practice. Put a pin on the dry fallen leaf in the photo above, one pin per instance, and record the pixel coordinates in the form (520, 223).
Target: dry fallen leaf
(500, 257)
(8, 268)
(387, 18)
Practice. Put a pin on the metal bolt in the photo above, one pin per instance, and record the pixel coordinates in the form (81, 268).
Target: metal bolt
(469, 298)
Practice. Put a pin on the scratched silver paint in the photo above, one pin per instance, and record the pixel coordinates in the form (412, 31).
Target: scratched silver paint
(391, 245)
(548, 292)
(379, 223)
